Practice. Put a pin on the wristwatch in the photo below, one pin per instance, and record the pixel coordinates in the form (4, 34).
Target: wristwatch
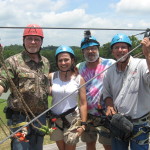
(83, 123)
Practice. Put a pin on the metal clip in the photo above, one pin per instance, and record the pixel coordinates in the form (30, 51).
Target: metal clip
(145, 129)
(147, 33)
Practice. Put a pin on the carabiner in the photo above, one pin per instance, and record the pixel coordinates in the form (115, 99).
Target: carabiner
(147, 33)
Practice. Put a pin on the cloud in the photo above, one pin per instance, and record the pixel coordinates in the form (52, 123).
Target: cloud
(59, 13)
(133, 6)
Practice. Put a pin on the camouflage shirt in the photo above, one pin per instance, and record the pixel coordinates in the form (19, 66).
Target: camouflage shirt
(30, 78)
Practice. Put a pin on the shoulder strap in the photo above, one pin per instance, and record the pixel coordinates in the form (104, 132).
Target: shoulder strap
(77, 79)
(55, 75)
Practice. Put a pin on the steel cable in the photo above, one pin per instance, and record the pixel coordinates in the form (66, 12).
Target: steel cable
(81, 85)
(67, 95)
(73, 28)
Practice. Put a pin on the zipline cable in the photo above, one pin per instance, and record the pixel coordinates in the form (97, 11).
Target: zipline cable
(146, 34)
(68, 28)
(67, 96)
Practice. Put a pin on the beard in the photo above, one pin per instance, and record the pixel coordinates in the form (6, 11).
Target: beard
(92, 57)
(33, 50)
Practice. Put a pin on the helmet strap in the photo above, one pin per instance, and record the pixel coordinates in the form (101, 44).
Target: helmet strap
(66, 72)
(71, 68)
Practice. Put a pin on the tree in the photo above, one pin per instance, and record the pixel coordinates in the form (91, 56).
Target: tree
(135, 43)
(105, 51)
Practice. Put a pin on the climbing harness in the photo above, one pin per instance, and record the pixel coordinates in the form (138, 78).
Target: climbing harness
(121, 127)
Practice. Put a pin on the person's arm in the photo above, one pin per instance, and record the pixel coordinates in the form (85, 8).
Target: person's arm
(82, 104)
(50, 88)
(146, 50)
(107, 92)
(82, 101)
(109, 107)
(1, 90)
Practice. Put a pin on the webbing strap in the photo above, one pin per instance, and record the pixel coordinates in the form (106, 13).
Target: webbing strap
(145, 129)
(142, 142)
(137, 134)
(18, 125)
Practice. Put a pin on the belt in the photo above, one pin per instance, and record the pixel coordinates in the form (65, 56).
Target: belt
(68, 112)
(23, 113)
(141, 120)
(66, 123)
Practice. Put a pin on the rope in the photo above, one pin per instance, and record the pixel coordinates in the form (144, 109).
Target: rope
(16, 91)
(140, 54)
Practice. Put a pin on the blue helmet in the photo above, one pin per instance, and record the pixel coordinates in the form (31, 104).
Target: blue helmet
(90, 41)
(62, 49)
(120, 38)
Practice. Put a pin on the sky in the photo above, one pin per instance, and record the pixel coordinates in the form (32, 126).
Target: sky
(112, 14)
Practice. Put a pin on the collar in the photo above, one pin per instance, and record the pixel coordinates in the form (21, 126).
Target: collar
(27, 57)
(127, 66)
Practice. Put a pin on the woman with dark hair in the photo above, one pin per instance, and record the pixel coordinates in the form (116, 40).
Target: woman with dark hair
(70, 118)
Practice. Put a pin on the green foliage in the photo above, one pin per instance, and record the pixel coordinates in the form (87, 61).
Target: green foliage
(12, 50)
(78, 54)
(135, 42)
(2, 114)
(105, 51)
(49, 52)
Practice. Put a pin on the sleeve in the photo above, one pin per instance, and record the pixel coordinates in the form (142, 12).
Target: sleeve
(145, 72)
(4, 80)
(78, 65)
(106, 91)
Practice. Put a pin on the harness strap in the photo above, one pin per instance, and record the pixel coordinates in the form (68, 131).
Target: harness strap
(145, 129)
(59, 127)
(142, 142)
(68, 112)
(141, 120)
(18, 125)
(66, 123)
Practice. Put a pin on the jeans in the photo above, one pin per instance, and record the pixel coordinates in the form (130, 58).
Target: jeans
(121, 145)
(34, 136)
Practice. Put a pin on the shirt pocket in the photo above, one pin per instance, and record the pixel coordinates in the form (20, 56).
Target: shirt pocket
(134, 84)
(26, 81)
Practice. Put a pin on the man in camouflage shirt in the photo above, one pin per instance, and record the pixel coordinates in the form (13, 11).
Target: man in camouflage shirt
(29, 72)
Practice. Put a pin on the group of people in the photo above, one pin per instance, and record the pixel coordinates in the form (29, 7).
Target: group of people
(123, 89)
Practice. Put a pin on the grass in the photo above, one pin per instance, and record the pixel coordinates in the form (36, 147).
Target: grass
(6, 145)
(2, 114)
